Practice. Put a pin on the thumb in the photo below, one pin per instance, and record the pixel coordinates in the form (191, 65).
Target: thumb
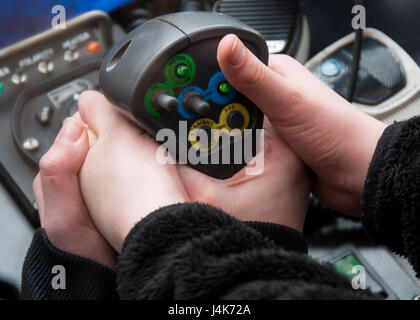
(199, 187)
(266, 88)
(59, 167)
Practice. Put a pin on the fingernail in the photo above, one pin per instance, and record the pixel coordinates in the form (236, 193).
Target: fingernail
(237, 53)
(70, 131)
(89, 94)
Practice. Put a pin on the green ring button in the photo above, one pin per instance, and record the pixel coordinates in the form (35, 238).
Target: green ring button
(148, 98)
(180, 70)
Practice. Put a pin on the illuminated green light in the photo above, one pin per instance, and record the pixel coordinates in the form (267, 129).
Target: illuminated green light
(182, 70)
(345, 264)
(1, 87)
(224, 87)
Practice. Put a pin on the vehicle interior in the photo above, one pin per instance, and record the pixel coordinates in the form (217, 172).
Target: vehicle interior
(318, 33)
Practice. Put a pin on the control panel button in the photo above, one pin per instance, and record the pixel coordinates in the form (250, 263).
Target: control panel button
(93, 46)
(71, 55)
(182, 70)
(164, 101)
(330, 68)
(235, 119)
(31, 144)
(234, 116)
(45, 67)
(224, 87)
(194, 104)
(210, 127)
(44, 115)
(19, 78)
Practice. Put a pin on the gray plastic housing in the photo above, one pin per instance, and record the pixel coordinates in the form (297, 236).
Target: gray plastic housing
(138, 61)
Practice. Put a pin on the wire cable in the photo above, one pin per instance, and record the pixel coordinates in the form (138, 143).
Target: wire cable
(357, 50)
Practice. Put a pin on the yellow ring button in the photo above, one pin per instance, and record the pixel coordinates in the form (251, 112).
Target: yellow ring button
(223, 118)
(200, 124)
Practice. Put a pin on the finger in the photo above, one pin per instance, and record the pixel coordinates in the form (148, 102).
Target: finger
(68, 151)
(270, 91)
(199, 186)
(96, 111)
(59, 168)
(78, 118)
(39, 197)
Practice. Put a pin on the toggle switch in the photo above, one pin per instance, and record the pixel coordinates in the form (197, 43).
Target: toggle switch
(194, 104)
(19, 78)
(44, 115)
(45, 67)
(162, 100)
(71, 55)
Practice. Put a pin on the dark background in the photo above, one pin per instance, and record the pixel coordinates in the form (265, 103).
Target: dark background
(330, 20)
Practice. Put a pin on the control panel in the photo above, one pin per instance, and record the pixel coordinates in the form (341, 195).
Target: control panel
(173, 81)
(40, 81)
(390, 93)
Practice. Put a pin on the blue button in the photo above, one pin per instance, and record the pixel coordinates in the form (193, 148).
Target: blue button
(330, 68)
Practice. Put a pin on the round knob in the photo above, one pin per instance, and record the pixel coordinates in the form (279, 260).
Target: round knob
(164, 101)
(194, 104)
(235, 119)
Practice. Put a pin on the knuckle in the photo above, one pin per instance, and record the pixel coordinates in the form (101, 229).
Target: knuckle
(47, 164)
(83, 105)
(54, 160)
(295, 95)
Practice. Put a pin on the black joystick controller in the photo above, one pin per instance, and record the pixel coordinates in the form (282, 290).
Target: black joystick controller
(171, 80)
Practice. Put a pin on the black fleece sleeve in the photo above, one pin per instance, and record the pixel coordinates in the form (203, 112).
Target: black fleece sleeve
(195, 251)
(391, 199)
(84, 279)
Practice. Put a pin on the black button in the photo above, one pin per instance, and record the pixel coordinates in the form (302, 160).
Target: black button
(235, 120)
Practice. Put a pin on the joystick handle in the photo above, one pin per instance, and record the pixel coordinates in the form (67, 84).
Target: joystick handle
(194, 104)
(164, 101)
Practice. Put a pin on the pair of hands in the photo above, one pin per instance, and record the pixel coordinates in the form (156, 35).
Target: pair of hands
(308, 125)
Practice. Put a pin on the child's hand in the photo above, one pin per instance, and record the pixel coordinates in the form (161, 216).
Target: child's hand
(335, 139)
(121, 180)
(62, 210)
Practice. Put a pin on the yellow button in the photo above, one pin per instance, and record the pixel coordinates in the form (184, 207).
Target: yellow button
(203, 123)
(233, 107)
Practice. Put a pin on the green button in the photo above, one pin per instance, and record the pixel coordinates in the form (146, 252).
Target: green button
(224, 87)
(1, 87)
(182, 70)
